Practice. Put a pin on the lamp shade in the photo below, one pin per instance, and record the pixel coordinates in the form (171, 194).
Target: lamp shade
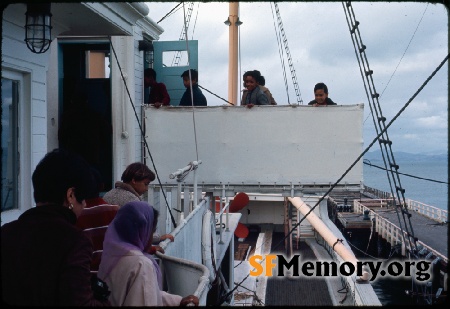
(38, 27)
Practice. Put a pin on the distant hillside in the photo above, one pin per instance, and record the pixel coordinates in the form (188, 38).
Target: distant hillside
(406, 157)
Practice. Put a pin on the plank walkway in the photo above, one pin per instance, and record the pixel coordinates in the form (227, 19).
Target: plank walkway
(298, 291)
(427, 230)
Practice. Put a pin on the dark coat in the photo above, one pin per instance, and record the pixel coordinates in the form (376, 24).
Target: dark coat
(328, 101)
(199, 98)
(46, 260)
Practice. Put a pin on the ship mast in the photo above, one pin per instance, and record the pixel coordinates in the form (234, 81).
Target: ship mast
(233, 23)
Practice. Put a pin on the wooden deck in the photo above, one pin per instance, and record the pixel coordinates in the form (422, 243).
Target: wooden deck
(431, 232)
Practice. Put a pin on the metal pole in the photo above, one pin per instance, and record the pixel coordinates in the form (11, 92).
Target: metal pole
(233, 53)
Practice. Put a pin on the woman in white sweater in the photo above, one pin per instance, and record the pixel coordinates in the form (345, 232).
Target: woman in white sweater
(133, 275)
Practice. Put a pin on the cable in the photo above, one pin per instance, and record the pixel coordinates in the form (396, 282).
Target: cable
(170, 13)
(404, 174)
(142, 131)
(215, 95)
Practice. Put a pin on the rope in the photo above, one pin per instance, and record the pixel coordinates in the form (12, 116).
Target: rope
(190, 84)
(280, 52)
(170, 13)
(337, 241)
(417, 177)
(215, 95)
(142, 132)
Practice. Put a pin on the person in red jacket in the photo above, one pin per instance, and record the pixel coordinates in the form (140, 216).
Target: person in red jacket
(158, 91)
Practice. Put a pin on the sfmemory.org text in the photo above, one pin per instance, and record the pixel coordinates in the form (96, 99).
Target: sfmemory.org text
(265, 266)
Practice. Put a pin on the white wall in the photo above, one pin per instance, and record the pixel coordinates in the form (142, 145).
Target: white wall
(266, 145)
(18, 59)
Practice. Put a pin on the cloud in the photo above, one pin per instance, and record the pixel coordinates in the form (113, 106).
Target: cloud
(437, 122)
(405, 42)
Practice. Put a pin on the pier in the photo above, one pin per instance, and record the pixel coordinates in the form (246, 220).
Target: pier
(365, 215)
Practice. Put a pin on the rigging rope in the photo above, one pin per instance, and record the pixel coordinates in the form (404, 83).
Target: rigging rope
(142, 131)
(384, 142)
(170, 13)
(190, 83)
(280, 52)
(417, 177)
(395, 70)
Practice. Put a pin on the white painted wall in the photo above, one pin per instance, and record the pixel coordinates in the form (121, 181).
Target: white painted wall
(18, 59)
(265, 145)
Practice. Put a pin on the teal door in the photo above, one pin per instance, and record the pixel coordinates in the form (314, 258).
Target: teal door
(170, 61)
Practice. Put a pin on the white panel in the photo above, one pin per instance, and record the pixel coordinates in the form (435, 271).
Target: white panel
(262, 145)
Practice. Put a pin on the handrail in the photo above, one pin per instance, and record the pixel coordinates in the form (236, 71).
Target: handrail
(390, 231)
(429, 211)
(185, 277)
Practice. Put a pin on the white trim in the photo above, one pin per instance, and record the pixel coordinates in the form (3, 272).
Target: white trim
(24, 144)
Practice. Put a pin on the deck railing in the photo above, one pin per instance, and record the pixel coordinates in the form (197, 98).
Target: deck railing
(391, 232)
(429, 211)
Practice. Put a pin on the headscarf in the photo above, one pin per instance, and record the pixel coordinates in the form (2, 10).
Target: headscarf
(130, 230)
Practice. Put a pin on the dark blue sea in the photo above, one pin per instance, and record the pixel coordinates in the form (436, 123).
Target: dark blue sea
(390, 291)
(424, 166)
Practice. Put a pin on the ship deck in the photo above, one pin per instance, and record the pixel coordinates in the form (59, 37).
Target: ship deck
(431, 232)
(285, 291)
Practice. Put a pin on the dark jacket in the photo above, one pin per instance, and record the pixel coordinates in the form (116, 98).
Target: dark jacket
(199, 98)
(46, 260)
(328, 101)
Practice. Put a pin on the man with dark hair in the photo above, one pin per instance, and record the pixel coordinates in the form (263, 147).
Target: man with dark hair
(158, 92)
(198, 99)
(45, 258)
(321, 96)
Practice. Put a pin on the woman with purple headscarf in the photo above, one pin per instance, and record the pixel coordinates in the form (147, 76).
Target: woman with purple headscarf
(133, 275)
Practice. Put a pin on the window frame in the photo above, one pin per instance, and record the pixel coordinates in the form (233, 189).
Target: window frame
(23, 144)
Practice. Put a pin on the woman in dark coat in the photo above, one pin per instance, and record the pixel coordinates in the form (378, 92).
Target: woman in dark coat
(45, 258)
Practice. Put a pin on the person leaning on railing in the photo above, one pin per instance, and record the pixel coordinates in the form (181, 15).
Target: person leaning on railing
(133, 274)
(135, 180)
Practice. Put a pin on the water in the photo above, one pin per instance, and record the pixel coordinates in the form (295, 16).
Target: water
(392, 291)
(427, 192)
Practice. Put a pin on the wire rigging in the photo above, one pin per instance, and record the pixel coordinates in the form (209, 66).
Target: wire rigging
(172, 11)
(367, 162)
(190, 78)
(406, 49)
(142, 131)
(280, 52)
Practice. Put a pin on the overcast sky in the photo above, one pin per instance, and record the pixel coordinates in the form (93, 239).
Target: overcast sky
(405, 42)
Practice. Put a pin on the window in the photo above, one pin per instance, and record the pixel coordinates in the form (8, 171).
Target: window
(97, 64)
(9, 144)
(175, 58)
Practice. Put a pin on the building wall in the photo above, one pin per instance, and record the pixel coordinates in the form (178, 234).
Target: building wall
(18, 59)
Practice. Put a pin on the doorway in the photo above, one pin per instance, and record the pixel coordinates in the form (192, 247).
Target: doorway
(86, 73)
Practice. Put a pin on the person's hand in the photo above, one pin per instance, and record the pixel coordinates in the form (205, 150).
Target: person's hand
(157, 105)
(154, 249)
(166, 236)
(190, 299)
(250, 105)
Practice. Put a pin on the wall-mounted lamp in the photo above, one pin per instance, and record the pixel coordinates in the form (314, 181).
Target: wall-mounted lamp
(38, 27)
(145, 45)
(228, 22)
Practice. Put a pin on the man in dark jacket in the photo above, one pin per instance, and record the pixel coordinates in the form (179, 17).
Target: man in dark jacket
(198, 97)
(45, 257)
(321, 96)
